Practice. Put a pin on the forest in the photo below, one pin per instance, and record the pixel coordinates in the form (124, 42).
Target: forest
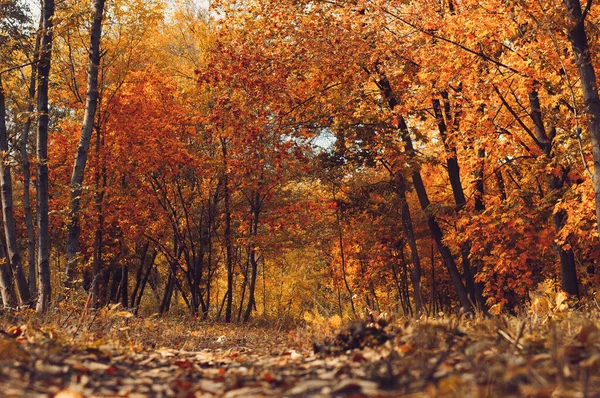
(300, 198)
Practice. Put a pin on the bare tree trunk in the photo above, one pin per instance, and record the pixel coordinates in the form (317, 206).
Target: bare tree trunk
(436, 232)
(407, 227)
(139, 273)
(256, 206)
(100, 181)
(227, 232)
(7, 292)
(27, 171)
(43, 244)
(589, 85)
(338, 219)
(77, 177)
(457, 191)
(6, 194)
(244, 285)
(124, 279)
(168, 293)
(138, 299)
(568, 268)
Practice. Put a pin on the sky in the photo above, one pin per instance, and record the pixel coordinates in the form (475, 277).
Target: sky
(35, 5)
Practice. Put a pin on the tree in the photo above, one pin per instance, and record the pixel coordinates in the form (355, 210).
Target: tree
(587, 77)
(14, 257)
(43, 247)
(77, 177)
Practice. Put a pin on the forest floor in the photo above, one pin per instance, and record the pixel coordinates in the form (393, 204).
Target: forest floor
(111, 353)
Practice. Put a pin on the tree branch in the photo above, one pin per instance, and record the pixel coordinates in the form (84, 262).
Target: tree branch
(517, 118)
(586, 10)
(480, 53)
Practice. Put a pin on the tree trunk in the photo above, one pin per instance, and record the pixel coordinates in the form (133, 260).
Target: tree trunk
(338, 218)
(6, 196)
(138, 299)
(124, 279)
(256, 206)
(407, 227)
(589, 86)
(168, 293)
(43, 258)
(139, 273)
(115, 285)
(244, 285)
(457, 191)
(436, 231)
(27, 172)
(227, 232)
(7, 292)
(77, 177)
(100, 181)
(568, 269)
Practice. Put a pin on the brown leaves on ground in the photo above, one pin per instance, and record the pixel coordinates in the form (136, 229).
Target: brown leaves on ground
(428, 357)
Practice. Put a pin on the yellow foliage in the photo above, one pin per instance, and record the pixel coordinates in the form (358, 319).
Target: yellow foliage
(548, 298)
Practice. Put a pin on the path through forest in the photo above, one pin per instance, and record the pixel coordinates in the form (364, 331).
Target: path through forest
(444, 357)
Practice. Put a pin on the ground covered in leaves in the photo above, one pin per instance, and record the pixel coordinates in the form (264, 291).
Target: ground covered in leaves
(111, 353)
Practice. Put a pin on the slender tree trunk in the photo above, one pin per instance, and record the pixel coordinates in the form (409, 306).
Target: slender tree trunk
(396, 278)
(27, 171)
(168, 293)
(138, 299)
(43, 244)
(139, 273)
(227, 233)
(407, 227)
(124, 279)
(436, 232)
(77, 177)
(434, 292)
(457, 191)
(115, 285)
(256, 205)
(6, 195)
(252, 287)
(264, 279)
(244, 285)
(9, 299)
(568, 269)
(97, 264)
(338, 219)
(479, 208)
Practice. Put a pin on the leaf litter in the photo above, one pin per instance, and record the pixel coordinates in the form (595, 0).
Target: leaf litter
(552, 356)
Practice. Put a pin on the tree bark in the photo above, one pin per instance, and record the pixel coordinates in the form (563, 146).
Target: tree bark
(6, 196)
(43, 244)
(77, 177)
(7, 292)
(227, 232)
(124, 280)
(568, 269)
(436, 231)
(589, 85)
(100, 184)
(138, 299)
(27, 171)
(168, 293)
(256, 206)
(338, 218)
(407, 227)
